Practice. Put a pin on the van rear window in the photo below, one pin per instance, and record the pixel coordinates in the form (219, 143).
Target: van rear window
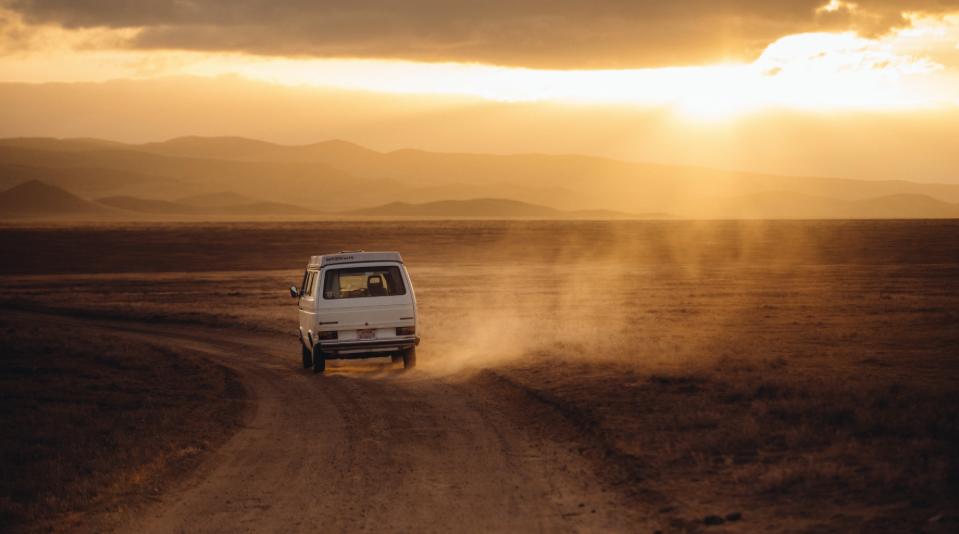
(357, 282)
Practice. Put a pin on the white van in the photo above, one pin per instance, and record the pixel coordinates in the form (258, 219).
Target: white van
(357, 304)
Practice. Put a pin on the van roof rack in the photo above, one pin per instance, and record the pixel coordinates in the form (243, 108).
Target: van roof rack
(354, 257)
(350, 251)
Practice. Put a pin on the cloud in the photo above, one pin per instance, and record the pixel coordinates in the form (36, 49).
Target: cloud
(558, 34)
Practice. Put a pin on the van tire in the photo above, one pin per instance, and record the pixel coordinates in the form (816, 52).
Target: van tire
(319, 362)
(409, 358)
(307, 357)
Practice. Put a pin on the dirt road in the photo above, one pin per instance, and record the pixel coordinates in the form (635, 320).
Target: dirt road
(370, 447)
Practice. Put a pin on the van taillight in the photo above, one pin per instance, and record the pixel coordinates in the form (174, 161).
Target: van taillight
(405, 330)
(326, 335)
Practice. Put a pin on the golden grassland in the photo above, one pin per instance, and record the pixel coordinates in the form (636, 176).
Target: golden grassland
(801, 374)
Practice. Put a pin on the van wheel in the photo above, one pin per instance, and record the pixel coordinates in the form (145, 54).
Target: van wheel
(319, 362)
(307, 357)
(409, 358)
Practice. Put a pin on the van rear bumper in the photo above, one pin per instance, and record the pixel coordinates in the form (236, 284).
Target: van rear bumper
(373, 344)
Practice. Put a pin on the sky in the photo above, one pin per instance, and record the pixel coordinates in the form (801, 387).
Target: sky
(862, 90)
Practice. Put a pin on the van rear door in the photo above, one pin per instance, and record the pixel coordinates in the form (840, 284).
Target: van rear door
(367, 296)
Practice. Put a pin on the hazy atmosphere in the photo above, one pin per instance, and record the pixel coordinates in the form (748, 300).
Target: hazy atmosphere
(865, 90)
(564, 267)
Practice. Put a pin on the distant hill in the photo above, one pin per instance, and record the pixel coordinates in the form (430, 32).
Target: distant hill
(553, 197)
(227, 148)
(786, 205)
(162, 207)
(610, 214)
(624, 185)
(488, 207)
(905, 206)
(89, 182)
(337, 176)
(300, 183)
(61, 145)
(570, 171)
(208, 147)
(37, 198)
(485, 207)
(220, 199)
(336, 153)
(769, 205)
(153, 207)
(265, 208)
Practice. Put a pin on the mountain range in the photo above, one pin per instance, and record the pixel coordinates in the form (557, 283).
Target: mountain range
(38, 199)
(237, 177)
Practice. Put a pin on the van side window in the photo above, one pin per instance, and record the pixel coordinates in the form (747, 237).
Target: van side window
(306, 278)
(359, 282)
(314, 282)
(308, 288)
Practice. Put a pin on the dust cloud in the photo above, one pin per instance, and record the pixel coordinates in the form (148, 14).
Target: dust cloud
(682, 297)
(654, 301)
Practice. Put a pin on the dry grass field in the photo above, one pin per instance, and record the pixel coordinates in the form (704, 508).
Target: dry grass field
(92, 420)
(803, 374)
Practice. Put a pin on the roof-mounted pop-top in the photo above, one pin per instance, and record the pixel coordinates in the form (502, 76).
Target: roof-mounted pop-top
(354, 257)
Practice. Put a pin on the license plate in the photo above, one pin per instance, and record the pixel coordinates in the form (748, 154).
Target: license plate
(365, 334)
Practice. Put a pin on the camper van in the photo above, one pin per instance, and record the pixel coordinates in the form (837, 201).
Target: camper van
(356, 304)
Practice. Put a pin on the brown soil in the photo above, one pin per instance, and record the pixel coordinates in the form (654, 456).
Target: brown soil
(801, 374)
(188, 247)
(95, 423)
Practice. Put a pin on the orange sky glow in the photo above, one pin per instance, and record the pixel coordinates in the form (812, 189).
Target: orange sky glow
(847, 78)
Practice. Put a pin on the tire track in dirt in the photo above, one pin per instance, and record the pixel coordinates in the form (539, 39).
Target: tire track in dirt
(367, 447)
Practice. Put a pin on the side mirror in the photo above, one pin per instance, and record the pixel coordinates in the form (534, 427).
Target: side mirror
(293, 292)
